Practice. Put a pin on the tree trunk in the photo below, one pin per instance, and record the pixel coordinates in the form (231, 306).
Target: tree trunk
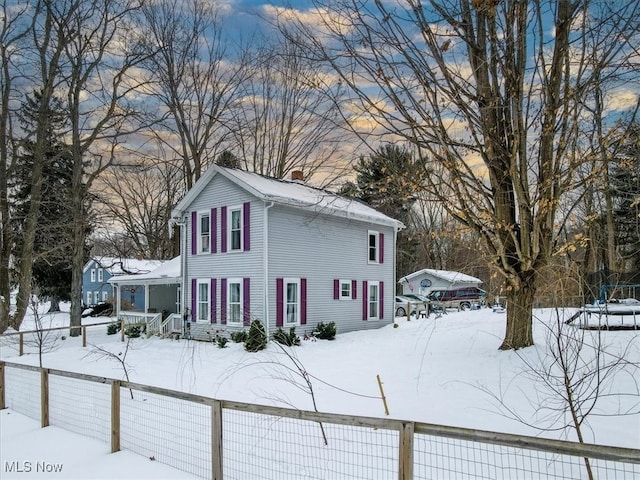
(519, 331)
(55, 305)
(77, 262)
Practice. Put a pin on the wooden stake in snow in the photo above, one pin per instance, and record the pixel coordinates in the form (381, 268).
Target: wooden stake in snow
(384, 399)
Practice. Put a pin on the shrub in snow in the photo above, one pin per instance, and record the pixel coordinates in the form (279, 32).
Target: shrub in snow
(239, 337)
(221, 341)
(113, 328)
(289, 339)
(133, 331)
(326, 331)
(257, 337)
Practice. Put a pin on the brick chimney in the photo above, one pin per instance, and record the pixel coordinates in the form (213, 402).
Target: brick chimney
(297, 176)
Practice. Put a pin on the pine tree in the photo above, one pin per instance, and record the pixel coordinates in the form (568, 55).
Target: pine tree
(625, 192)
(52, 247)
(387, 180)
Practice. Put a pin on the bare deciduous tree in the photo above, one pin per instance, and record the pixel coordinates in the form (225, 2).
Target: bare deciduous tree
(286, 121)
(13, 28)
(138, 199)
(492, 93)
(196, 80)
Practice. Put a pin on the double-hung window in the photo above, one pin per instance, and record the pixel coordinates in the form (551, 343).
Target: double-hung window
(89, 298)
(345, 289)
(234, 300)
(235, 228)
(93, 274)
(202, 301)
(292, 301)
(373, 247)
(204, 233)
(100, 275)
(373, 300)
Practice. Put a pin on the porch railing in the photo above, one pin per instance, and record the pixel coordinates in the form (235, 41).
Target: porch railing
(155, 324)
(171, 324)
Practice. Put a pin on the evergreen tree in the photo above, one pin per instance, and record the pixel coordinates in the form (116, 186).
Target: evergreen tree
(52, 247)
(625, 192)
(387, 180)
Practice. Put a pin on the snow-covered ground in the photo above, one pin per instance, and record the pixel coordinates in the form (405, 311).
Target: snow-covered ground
(445, 370)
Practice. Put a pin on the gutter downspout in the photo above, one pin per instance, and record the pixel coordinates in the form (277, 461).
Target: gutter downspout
(396, 229)
(265, 267)
(183, 268)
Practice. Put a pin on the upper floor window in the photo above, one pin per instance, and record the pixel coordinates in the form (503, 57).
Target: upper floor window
(235, 228)
(93, 274)
(100, 275)
(204, 233)
(373, 247)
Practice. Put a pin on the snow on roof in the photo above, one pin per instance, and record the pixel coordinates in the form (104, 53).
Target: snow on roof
(290, 193)
(449, 276)
(127, 266)
(167, 272)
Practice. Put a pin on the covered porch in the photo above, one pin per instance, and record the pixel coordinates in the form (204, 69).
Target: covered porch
(162, 299)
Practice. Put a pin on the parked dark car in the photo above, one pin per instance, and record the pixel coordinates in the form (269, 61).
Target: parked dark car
(104, 309)
(459, 298)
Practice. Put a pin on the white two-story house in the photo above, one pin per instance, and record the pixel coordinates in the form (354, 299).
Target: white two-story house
(282, 252)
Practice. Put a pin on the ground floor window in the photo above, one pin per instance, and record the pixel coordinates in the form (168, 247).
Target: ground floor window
(234, 300)
(374, 300)
(202, 301)
(292, 301)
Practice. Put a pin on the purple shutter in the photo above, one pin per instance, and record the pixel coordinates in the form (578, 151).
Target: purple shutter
(336, 289)
(354, 289)
(246, 226)
(194, 294)
(381, 300)
(194, 233)
(223, 230)
(246, 301)
(279, 302)
(365, 299)
(381, 248)
(213, 233)
(223, 301)
(303, 301)
(212, 300)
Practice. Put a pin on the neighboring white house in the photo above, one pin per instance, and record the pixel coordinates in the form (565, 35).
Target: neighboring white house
(282, 252)
(425, 280)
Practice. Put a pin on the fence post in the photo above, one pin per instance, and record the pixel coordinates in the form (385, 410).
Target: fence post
(216, 440)
(84, 336)
(3, 405)
(115, 416)
(122, 330)
(44, 397)
(405, 456)
(21, 345)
